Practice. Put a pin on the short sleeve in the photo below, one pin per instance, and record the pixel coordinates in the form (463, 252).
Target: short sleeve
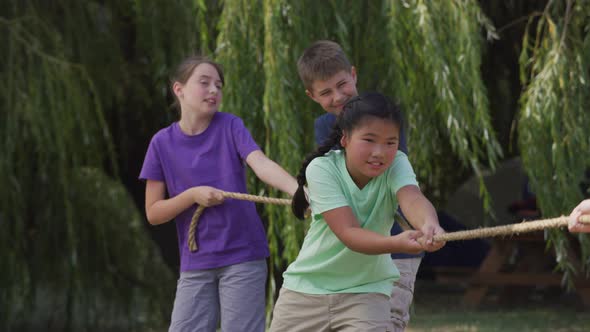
(325, 190)
(152, 166)
(243, 140)
(323, 127)
(401, 173)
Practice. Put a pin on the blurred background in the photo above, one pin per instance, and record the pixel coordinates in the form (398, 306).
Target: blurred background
(495, 96)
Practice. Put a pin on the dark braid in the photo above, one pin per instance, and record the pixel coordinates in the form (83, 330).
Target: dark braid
(299, 203)
(369, 104)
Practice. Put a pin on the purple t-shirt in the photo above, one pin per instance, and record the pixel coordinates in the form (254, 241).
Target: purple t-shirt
(228, 233)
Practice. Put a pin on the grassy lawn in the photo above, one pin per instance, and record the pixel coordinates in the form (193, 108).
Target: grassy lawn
(439, 308)
(498, 320)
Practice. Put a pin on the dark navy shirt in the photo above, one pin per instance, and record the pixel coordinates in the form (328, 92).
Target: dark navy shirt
(323, 126)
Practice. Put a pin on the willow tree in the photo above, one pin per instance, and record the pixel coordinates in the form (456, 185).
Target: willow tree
(436, 53)
(73, 249)
(553, 122)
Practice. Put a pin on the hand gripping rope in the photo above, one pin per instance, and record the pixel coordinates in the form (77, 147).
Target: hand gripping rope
(523, 227)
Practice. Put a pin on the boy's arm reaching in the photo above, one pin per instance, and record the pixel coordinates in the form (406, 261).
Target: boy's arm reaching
(271, 173)
(421, 214)
(346, 227)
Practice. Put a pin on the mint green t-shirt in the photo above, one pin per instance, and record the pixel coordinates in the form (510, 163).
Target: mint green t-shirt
(324, 264)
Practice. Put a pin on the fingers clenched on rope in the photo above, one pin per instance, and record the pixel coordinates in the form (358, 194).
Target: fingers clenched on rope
(524, 227)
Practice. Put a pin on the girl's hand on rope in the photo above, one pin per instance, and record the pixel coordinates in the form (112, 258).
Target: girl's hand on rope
(408, 242)
(207, 196)
(430, 230)
(574, 224)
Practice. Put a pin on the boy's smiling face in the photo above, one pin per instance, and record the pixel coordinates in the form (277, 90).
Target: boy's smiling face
(335, 91)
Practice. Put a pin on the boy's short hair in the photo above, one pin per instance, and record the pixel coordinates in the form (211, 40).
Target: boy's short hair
(320, 61)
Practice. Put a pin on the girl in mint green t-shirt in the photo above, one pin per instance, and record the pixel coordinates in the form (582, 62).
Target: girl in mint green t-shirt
(343, 276)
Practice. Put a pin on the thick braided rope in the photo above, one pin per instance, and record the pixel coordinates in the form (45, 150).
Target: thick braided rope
(524, 227)
(192, 244)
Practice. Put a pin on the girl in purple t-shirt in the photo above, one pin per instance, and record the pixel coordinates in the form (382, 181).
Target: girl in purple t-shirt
(188, 164)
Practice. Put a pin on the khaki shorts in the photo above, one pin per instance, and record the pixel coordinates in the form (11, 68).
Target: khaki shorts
(367, 312)
(403, 292)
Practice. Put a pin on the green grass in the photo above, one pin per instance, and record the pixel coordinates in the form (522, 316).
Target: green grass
(439, 308)
(498, 320)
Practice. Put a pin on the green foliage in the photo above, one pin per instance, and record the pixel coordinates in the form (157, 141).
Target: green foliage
(281, 116)
(73, 250)
(240, 51)
(435, 64)
(553, 117)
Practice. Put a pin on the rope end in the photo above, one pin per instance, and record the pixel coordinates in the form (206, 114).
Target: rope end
(192, 245)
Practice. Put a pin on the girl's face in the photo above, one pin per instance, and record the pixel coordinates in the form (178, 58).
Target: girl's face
(202, 91)
(370, 149)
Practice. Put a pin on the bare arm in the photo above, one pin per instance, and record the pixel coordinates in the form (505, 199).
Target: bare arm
(421, 214)
(271, 173)
(160, 210)
(346, 227)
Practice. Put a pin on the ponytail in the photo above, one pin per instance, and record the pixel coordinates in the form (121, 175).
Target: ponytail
(300, 203)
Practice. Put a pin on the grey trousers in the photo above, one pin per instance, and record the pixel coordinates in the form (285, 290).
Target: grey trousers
(236, 293)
